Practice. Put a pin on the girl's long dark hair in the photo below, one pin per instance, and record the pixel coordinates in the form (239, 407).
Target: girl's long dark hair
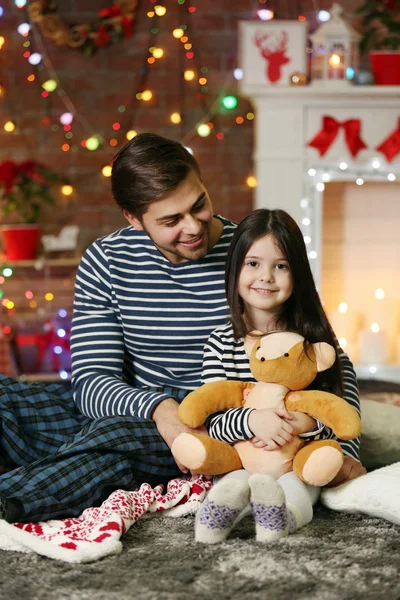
(303, 311)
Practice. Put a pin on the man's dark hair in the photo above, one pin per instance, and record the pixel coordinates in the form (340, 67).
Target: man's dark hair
(146, 168)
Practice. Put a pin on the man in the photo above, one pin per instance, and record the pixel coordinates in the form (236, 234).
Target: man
(146, 299)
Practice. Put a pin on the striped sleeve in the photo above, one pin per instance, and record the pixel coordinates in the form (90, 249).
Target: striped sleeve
(97, 347)
(351, 395)
(231, 425)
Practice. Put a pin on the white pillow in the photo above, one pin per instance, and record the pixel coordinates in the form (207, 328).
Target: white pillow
(376, 494)
(380, 437)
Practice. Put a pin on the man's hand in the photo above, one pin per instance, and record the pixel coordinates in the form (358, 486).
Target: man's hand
(350, 469)
(270, 427)
(169, 425)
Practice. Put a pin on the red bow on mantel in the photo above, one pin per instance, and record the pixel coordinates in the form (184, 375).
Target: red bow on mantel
(330, 127)
(391, 146)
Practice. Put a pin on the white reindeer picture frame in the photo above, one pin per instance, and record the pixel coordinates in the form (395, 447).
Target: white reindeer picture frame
(271, 51)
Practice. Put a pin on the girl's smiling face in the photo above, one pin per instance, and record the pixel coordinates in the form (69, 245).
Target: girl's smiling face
(265, 282)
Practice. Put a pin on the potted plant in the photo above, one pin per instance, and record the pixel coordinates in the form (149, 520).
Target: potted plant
(24, 188)
(381, 21)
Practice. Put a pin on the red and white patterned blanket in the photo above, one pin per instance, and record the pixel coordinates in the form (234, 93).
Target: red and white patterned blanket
(98, 531)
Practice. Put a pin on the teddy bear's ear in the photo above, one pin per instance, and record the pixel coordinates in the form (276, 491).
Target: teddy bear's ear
(325, 355)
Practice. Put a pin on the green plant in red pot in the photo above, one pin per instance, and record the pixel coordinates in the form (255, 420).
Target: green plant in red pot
(24, 188)
(381, 37)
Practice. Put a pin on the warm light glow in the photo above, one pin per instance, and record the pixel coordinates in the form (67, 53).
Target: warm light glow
(265, 15)
(67, 190)
(379, 294)
(33, 304)
(158, 52)
(31, 77)
(375, 327)
(202, 81)
(203, 130)
(342, 308)
(9, 126)
(147, 95)
(49, 296)
(28, 295)
(10, 304)
(342, 342)
(160, 10)
(251, 181)
(189, 75)
(107, 170)
(188, 46)
(65, 147)
(239, 120)
(334, 60)
(175, 118)
(113, 142)
(250, 116)
(2, 41)
(178, 33)
(131, 134)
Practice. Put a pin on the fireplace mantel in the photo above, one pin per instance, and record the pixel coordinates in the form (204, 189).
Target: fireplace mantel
(288, 117)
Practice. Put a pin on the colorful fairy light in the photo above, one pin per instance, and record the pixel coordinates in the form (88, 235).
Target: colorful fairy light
(251, 181)
(175, 118)
(203, 130)
(229, 102)
(92, 143)
(67, 190)
(50, 85)
(106, 171)
(9, 126)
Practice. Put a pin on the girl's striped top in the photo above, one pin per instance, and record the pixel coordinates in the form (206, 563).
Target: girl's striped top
(226, 358)
(140, 323)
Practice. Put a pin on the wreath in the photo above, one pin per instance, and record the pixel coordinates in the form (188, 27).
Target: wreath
(114, 24)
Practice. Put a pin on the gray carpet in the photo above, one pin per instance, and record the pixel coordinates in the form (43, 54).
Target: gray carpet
(336, 557)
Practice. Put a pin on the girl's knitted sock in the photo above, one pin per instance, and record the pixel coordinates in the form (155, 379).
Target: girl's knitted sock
(273, 518)
(221, 510)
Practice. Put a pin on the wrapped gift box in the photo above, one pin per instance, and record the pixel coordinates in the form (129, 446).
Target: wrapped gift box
(43, 346)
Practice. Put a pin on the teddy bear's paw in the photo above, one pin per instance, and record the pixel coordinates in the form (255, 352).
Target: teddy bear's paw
(221, 510)
(267, 500)
(322, 466)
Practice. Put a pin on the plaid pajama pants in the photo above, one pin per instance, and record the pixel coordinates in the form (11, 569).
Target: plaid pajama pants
(63, 462)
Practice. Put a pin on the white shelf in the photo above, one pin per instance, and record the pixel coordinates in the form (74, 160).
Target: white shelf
(46, 377)
(378, 372)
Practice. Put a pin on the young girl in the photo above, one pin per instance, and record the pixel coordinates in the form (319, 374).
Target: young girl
(269, 287)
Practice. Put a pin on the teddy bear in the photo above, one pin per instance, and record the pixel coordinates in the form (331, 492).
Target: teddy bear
(283, 364)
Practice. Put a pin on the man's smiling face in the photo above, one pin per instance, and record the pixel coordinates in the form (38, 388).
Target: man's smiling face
(180, 223)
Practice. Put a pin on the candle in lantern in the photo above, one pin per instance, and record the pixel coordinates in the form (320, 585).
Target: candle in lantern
(336, 67)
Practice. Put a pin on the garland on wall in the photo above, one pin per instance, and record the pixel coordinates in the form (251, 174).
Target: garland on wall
(114, 24)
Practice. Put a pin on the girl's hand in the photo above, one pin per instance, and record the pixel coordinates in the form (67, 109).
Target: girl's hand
(301, 422)
(270, 427)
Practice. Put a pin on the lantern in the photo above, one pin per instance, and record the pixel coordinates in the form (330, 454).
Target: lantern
(335, 54)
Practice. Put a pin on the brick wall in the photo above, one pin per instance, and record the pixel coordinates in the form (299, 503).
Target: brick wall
(97, 86)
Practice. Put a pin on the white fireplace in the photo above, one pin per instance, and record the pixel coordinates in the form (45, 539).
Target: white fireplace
(292, 175)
